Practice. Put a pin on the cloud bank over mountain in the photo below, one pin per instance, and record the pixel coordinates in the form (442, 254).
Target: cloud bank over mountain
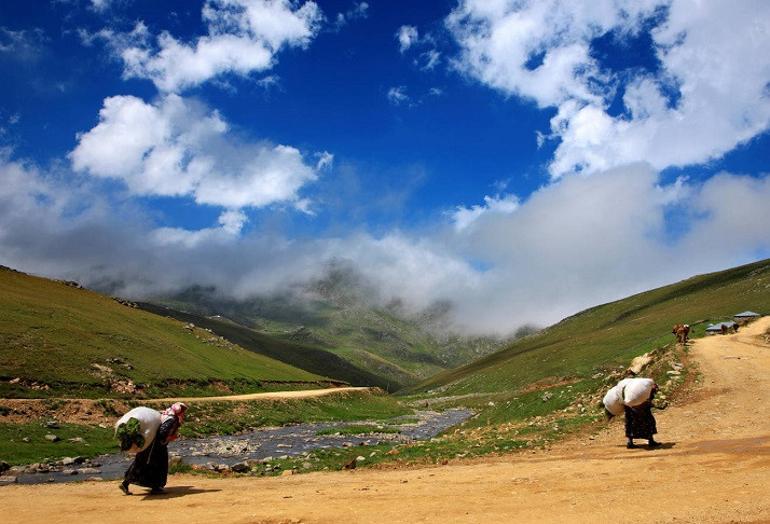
(574, 243)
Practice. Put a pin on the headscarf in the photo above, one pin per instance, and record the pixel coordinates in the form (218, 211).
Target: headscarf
(177, 409)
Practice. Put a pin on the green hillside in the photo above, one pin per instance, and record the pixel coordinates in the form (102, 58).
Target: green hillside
(398, 350)
(334, 315)
(304, 356)
(59, 339)
(610, 335)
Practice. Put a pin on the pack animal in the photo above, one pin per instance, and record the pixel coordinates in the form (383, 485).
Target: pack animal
(681, 332)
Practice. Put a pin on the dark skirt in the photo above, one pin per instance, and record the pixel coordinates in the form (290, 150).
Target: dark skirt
(639, 422)
(150, 467)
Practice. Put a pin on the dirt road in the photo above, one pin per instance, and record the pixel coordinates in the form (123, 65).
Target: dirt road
(714, 468)
(91, 411)
(300, 393)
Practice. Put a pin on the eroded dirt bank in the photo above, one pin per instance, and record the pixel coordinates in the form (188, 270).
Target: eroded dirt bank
(715, 467)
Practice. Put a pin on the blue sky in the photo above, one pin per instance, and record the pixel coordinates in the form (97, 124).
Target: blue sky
(331, 96)
(441, 129)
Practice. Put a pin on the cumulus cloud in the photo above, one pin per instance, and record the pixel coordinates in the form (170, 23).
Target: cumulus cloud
(577, 242)
(586, 240)
(407, 36)
(463, 216)
(541, 50)
(244, 37)
(230, 223)
(177, 147)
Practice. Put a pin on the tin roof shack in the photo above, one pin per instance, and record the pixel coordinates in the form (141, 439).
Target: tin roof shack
(722, 328)
(746, 317)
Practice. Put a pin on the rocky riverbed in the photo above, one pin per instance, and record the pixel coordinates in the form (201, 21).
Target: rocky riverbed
(234, 452)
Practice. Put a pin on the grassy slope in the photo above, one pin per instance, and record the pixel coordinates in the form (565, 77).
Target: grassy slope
(395, 349)
(304, 356)
(612, 334)
(15, 450)
(51, 333)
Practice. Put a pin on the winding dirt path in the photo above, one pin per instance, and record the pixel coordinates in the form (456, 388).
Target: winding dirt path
(714, 468)
(91, 411)
(273, 395)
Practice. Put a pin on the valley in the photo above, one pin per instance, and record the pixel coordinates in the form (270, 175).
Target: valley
(532, 404)
(713, 467)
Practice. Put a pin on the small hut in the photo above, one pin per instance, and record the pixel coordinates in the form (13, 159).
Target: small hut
(721, 328)
(745, 317)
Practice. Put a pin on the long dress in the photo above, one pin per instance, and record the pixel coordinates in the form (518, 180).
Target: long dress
(639, 421)
(150, 467)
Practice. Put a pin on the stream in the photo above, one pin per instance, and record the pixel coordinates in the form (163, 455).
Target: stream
(221, 452)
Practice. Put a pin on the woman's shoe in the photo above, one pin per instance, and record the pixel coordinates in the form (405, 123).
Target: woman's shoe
(631, 445)
(654, 444)
(157, 491)
(124, 488)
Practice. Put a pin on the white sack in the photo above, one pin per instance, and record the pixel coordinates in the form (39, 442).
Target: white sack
(629, 392)
(613, 400)
(637, 391)
(149, 422)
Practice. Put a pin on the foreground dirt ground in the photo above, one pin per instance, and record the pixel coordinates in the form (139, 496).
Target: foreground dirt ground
(715, 467)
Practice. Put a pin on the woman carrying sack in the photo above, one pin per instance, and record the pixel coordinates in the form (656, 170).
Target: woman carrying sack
(633, 396)
(150, 466)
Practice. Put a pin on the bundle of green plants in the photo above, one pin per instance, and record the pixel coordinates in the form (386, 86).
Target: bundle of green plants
(130, 434)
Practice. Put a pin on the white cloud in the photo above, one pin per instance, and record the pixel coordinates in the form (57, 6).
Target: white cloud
(463, 216)
(232, 221)
(325, 161)
(587, 240)
(407, 36)
(397, 95)
(428, 60)
(177, 147)
(733, 213)
(358, 11)
(305, 205)
(100, 5)
(243, 37)
(716, 54)
(22, 45)
(230, 224)
(269, 82)
(498, 39)
(580, 241)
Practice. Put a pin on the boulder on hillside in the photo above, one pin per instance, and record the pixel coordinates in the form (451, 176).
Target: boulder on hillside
(639, 363)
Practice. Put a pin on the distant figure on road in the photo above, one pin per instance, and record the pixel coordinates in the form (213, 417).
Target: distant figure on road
(633, 396)
(150, 467)
(681, 332)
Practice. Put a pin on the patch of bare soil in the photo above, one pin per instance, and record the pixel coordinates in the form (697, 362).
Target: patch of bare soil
(69, 411)
(713, 467)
